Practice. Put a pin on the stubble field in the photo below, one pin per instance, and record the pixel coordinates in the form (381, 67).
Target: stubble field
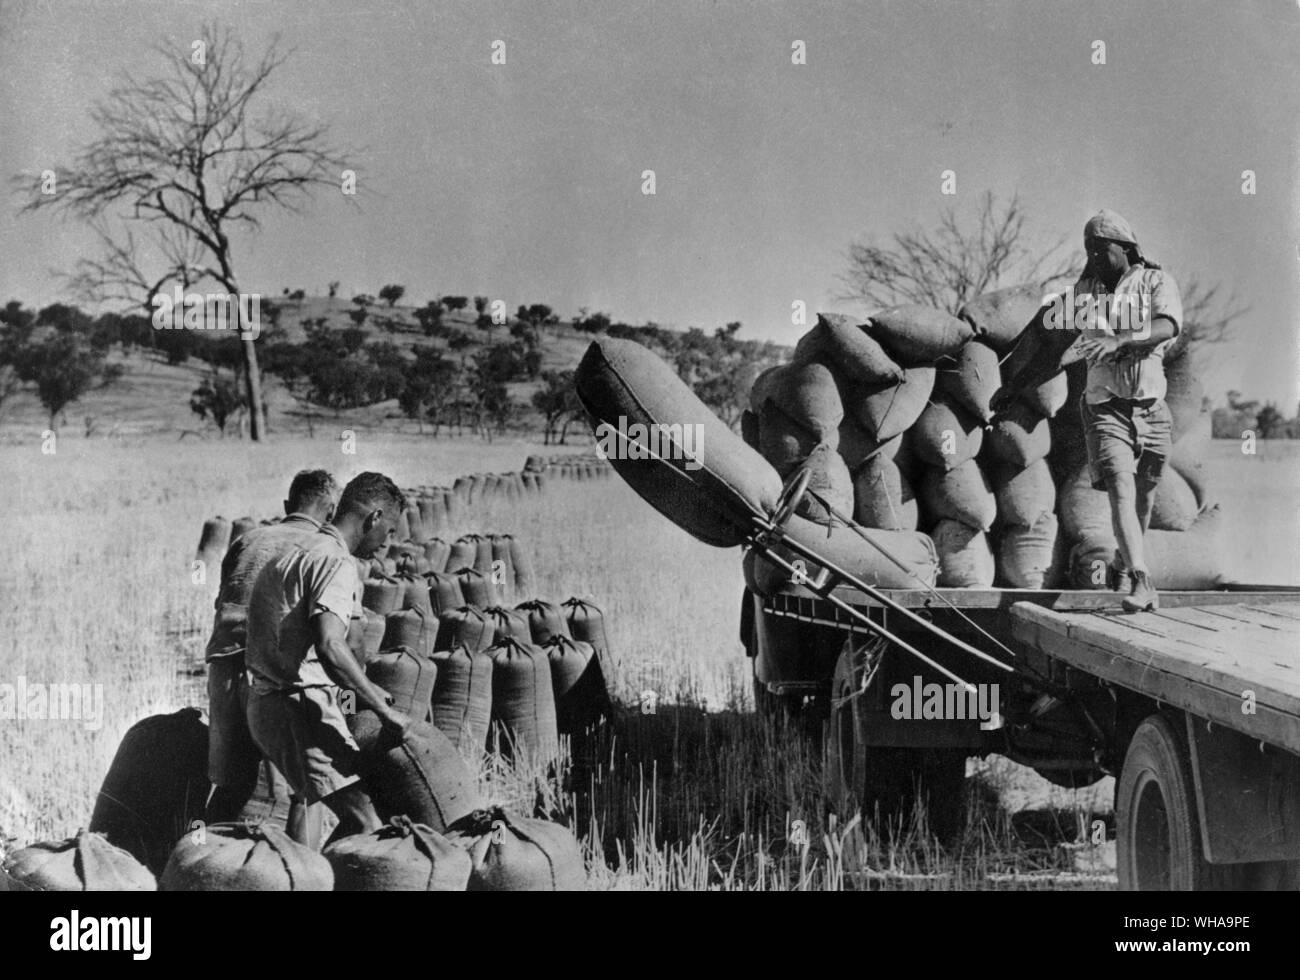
(98, 590)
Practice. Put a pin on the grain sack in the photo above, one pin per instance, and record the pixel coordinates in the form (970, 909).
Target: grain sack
(965, 561)
(461, 486)
(415, 523)
(523, 701)
(521, 564)
(462, 697)
(240, 527)
(422, 776)
(960, 494)
(841, 342)
(463, 552)
(409, 676)
(402, 856)
(1184, 394)
(1049, 397)
(530, 483)
(238, 857)
(857, 445)
(411, 562)
(545, 620)
(830, 481)
(511, 854)
(436, 553)
(1020, 436)
(534, 464)
(1069, 450)
(155, 787)
(1084, 511)
(914, 562)
(586, 624)
(85, 863)
(465, 626)
(433, 512)
(1191, 559)
(807, 394)
(1024, 494)
(946, 436)
(972, 380)
(882, 498)
(213, 540)
(1187, 457)
(412, 628)
(415, 592)
(1175, 506)
(1179, 560)
(749, 429)
(1027, 555)
(503, 568)
(999, 317)
(579, 688)
(403, 530)
(784, 443)
(455, 505)
(507, 622)
(483, 553)
(619, 380)
(381, 594)
(478, 589)
(444, 592)
(891, 410)
(914, 335)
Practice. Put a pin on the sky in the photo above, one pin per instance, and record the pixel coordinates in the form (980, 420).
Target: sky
(523, 181)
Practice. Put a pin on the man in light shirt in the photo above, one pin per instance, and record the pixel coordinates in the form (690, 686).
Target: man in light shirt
(299, 662)
(233, 758)
(1126, 315)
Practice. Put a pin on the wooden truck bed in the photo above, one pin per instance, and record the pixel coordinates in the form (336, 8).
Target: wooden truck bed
(1201, 658)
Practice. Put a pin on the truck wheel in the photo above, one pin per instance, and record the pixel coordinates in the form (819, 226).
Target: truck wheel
(885, 782)
(1158, 836)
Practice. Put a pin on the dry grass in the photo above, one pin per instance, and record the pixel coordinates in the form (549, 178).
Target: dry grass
(698, 795)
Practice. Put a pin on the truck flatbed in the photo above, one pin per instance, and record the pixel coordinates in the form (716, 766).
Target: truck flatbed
(1201, 657)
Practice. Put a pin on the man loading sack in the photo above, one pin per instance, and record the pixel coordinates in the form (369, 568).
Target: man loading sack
(1120, 317)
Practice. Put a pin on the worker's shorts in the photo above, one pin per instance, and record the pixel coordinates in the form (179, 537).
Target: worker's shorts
(233, 756)
(1127, 437)
(304, 734)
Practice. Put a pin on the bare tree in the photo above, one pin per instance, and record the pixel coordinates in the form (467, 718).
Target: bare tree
(955, 262)
(1209, 318)
(183, 159)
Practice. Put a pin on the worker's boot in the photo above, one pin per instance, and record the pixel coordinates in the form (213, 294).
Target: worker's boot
(1143, 597)
(1121, 579)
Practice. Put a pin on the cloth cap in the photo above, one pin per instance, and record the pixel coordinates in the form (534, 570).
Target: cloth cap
(1107, 224)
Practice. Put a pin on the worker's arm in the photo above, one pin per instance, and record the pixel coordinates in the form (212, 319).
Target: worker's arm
(1134, 342)
(331, 636)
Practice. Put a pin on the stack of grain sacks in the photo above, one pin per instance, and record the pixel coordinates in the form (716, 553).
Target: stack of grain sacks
(892, 418)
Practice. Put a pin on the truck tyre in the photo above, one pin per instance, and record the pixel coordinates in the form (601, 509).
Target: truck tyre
(885, 783)
(1158, 835)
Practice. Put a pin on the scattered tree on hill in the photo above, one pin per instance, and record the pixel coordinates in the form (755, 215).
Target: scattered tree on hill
(63, 367)
(480, 304)
(592, 323)
(430, 388)
(218, 397)
(15, 329)
(535, 317)
(363, 299)
(391, 293)
(557, 401)
(429, 317)
(455, 302)
(333, 288)
(358, 316)
(187, 157)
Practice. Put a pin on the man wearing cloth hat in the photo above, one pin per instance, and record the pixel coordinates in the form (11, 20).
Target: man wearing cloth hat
(1126, 314)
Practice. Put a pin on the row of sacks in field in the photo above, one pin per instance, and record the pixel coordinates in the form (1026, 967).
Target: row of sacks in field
(892, 418)
(434, 510)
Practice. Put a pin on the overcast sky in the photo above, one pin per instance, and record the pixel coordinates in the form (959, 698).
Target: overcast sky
(523, 180)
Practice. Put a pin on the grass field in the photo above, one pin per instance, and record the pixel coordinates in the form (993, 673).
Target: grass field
(98, 590)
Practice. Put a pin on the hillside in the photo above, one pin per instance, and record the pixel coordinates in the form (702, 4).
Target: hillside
(153, 397)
